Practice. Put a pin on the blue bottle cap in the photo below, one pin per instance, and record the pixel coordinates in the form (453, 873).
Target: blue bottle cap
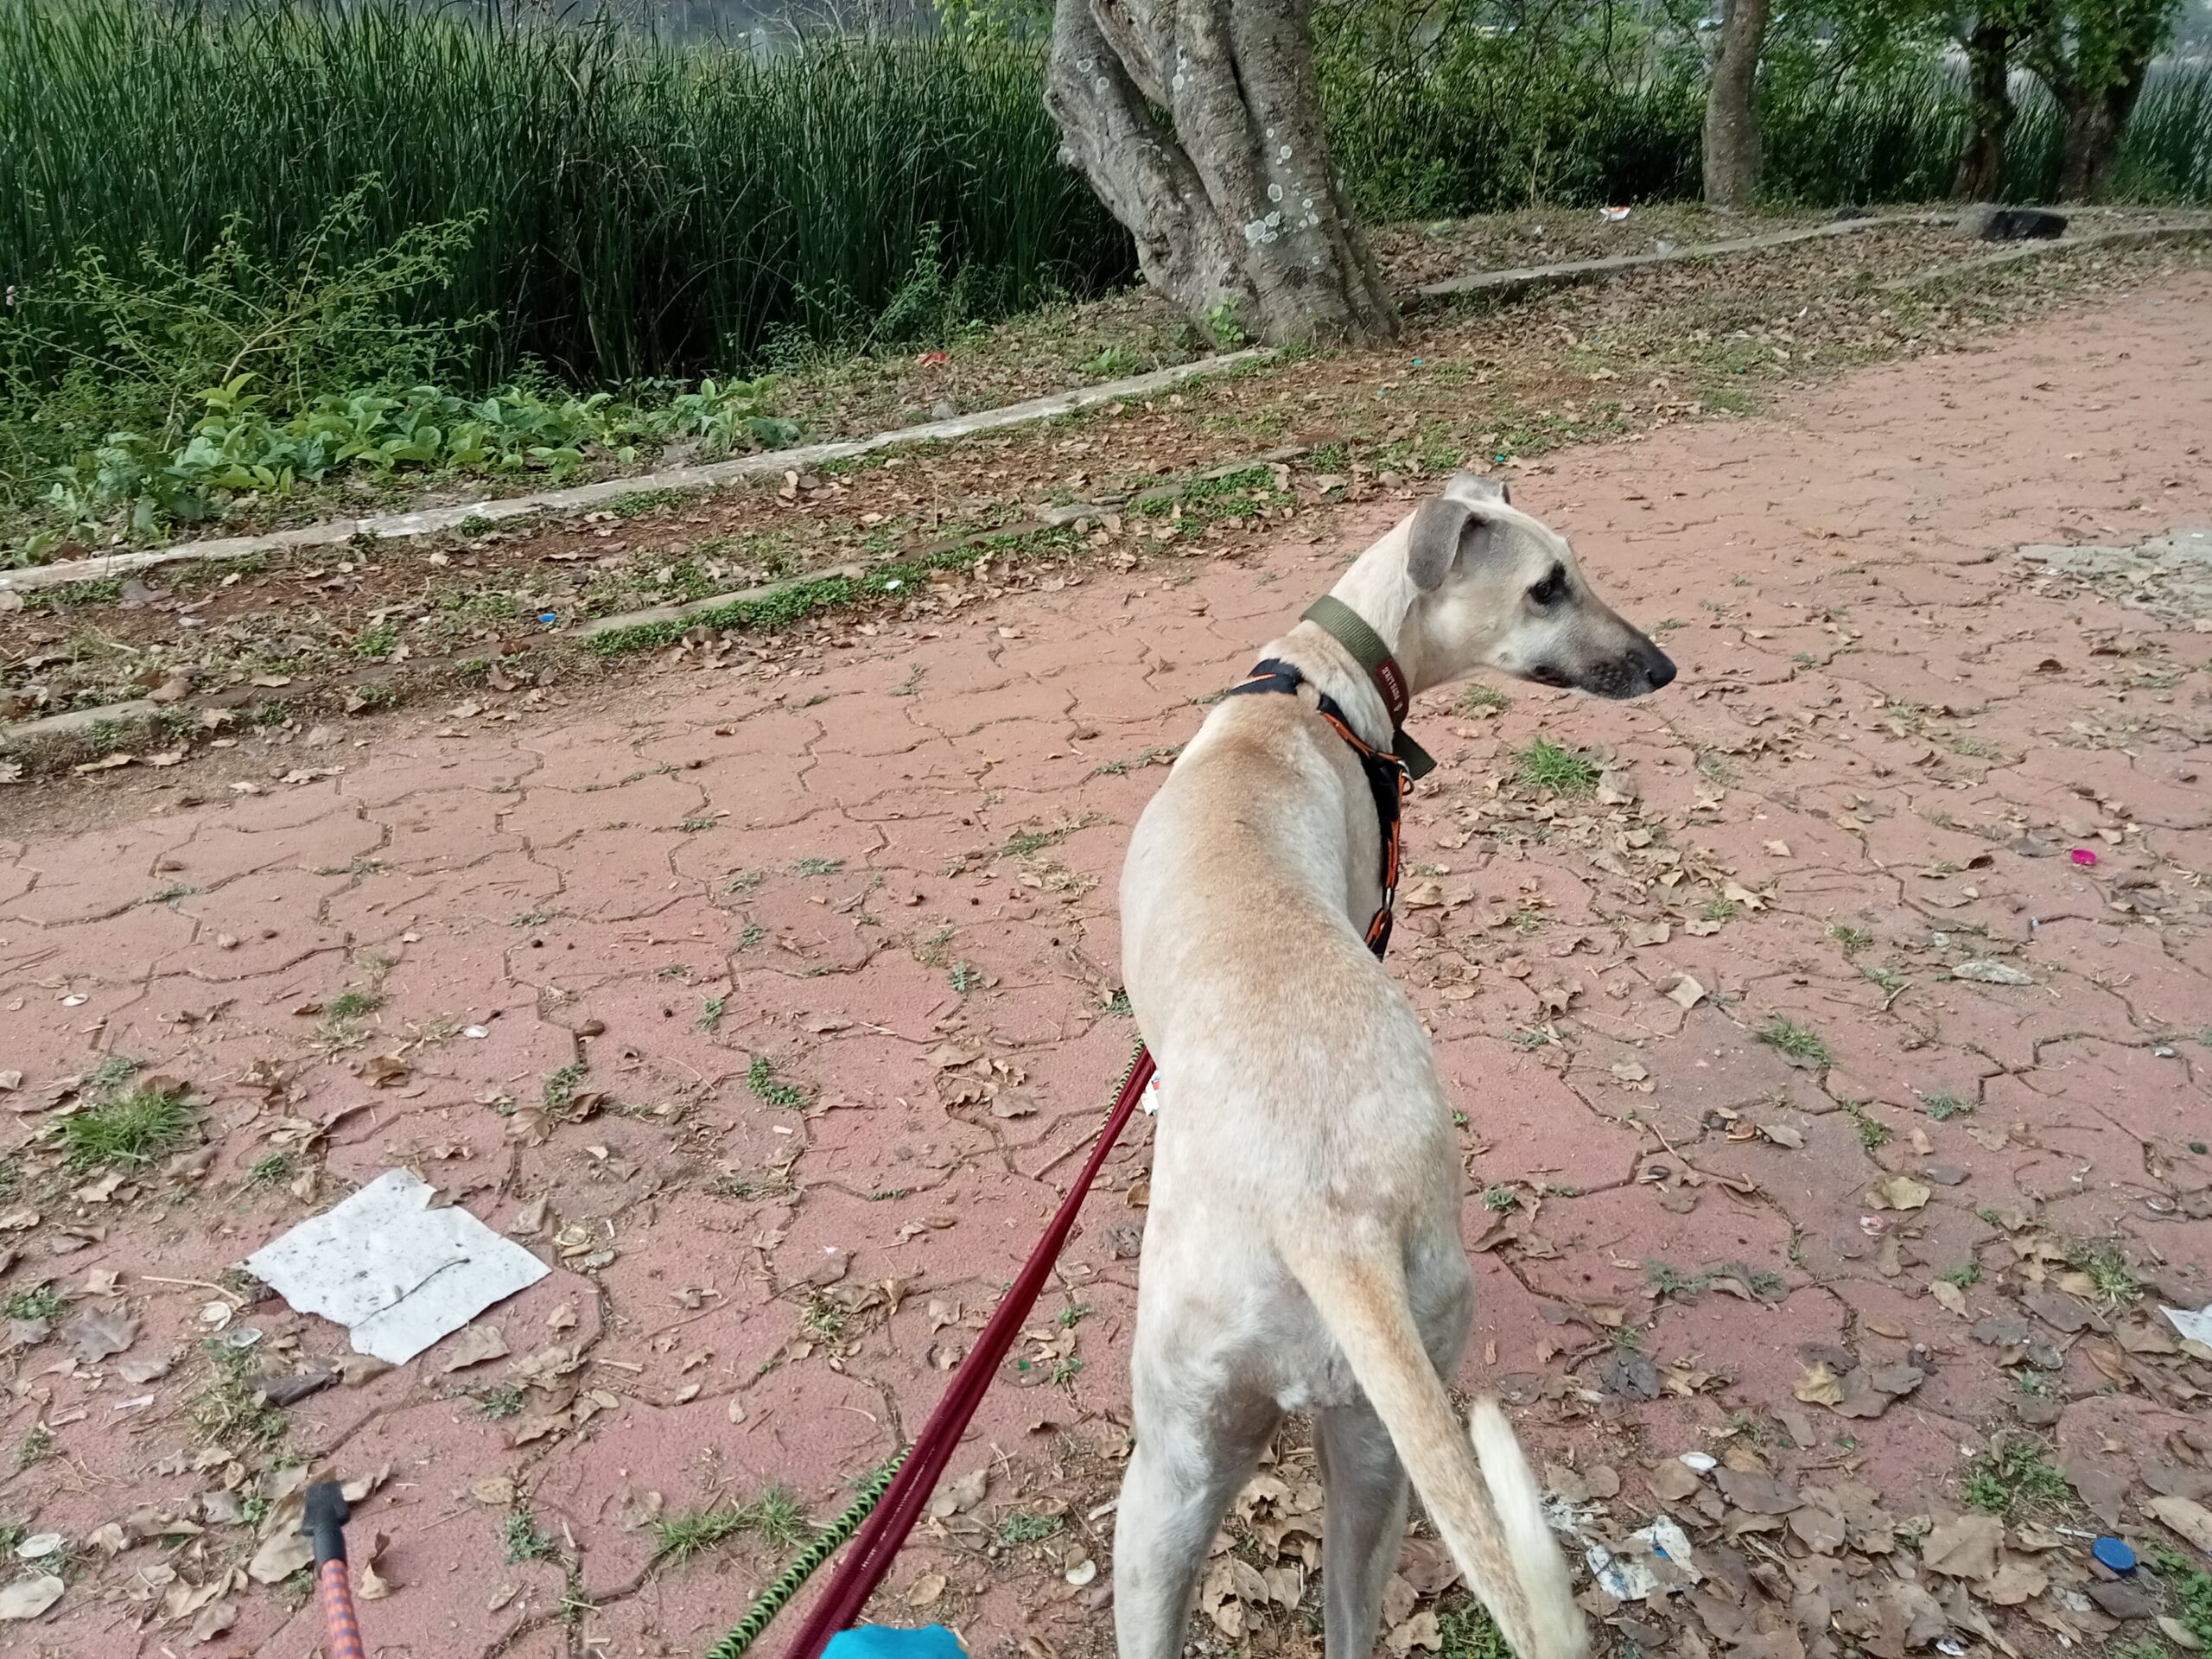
(2115, 1554)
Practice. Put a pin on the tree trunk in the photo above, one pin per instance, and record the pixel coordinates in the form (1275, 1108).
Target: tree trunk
(1989, 111)
(1732, 116)
(1238, 215)
(2094, 123)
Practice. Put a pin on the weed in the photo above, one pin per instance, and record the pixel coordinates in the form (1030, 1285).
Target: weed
(524, 1541)
(1478, 697)
(965, 977)
(110, 1074)
(2192, 1588)
(1873, 1132)
(1026, 1526)
(1469, 1632)
(1545, 764)
(560, 1092)
(2011, 1476)
(1118, 1004)
(678, 1538)
(536, 916)
(40, 1302)
(1851, 938)
(1500, 1199)
(817, 866)
(1888, 978)
(745, 881)
(674, 970)
(34, 1445)
(1719, 910)
(1799, 1043)
(270, 1169)
(230, 1409)
(1072, 1315)
(498, 1400)
(710, 1013)
(760, 1078)
(1666, 1279)
(750, 935)
(131, 1128)
(2106, 1263)
(1967, 1273)
(1942, 1106)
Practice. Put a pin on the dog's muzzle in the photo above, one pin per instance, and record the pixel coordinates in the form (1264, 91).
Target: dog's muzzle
(1637, 672)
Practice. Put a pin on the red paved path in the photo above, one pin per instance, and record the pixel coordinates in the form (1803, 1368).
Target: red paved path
(1855, 555)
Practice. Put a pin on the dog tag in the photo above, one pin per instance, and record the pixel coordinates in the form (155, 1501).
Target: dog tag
(1150, 1099)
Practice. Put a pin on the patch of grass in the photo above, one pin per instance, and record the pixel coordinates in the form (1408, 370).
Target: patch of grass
(353, 1005)
(1967, 1273)
(1500, 1199)
(1719, 910)
(1888, 978)
(1943, 1107)
(760, 1078)
(710, 1013)
(229, 1409)
(1118, 1004)
(110, 1074)
(1545, 764)
(2013, 1477)
(1026, 1526)
(2106, 1263)
(271, 1169)
(524, 1541)
(743, 880)
(1667, 1280)
(1478, 697)
(1851, 938)
(817, 866)
(40, 1302)
(750, 935)
(965, 976)
(1799, 1042)
(128, 1129)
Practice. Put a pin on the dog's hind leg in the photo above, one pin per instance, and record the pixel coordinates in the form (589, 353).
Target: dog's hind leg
(1193, 1455)
(1364, 1490)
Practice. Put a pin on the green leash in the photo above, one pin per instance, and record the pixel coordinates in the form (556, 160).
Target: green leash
(771, 1601)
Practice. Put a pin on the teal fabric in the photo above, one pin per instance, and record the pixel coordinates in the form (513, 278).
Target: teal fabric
(883, 1641)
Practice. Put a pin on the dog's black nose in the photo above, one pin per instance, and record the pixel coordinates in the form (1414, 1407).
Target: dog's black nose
(1659, 669)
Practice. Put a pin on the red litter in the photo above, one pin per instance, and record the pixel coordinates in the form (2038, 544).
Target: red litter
(2084, 857)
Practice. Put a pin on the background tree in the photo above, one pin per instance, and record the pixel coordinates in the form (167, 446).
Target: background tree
(1199, 125)
(2093, 55)
(1732, 116)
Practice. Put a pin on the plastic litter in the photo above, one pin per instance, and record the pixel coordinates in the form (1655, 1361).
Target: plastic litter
(1659, 1557)
(1950, 1645)
(1612, 215)
(2194, 1326)
(2084, 857)
(884, 1642)
(1704, 1462)
(397, 1273)
(2115, 1554)
(1150, 1099)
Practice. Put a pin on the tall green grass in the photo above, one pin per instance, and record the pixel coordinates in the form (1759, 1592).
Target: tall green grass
(638, 208)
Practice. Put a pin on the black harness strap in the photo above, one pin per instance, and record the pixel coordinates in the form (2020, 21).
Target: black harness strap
(1386, 780)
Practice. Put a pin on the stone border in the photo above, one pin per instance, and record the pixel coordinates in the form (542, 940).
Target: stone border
(429, 520)
(1526, 278)
(2177, 231)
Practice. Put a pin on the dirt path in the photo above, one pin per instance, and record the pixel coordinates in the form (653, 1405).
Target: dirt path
(770, 1006)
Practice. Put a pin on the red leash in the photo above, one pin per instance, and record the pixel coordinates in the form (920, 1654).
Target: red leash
(877, 1545)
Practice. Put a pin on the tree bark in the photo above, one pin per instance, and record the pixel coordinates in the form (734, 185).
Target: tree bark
(1989, 111)
(2094, 123)
(1199, 126)
(1732, 116)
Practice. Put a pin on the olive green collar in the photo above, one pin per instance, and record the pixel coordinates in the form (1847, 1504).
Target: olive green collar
(1350, 629)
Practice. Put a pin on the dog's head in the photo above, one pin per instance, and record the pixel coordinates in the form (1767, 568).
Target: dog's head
(1495, 589)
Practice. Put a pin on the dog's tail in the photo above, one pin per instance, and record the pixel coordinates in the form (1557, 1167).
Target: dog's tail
(1489, 1511)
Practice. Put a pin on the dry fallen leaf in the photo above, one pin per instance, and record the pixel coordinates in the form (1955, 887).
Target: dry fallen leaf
(474, 1346)
(1820, 1385)
(1686, 992)
(29, 1597)
(2186, 1516)
(924, 1590)
(1964, 1546)
(1903, 1192)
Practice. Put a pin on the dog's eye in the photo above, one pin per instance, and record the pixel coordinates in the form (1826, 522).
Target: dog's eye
(1551, 588)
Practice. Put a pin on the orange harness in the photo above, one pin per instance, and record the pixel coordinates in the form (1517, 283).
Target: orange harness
(1387, 780)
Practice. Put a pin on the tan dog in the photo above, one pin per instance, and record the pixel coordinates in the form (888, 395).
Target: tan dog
(1302, 1250)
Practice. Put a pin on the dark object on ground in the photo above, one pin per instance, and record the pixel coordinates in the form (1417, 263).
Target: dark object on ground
(1986, 222)
(1848, 210)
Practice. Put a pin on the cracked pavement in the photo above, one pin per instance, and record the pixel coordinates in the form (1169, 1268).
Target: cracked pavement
(771, 1003)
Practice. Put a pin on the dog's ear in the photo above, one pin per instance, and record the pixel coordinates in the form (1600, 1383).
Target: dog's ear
(1473, 487)
(1443, 527)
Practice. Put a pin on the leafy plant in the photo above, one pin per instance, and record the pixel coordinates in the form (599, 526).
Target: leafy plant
(1545, 764)
(760, 1078)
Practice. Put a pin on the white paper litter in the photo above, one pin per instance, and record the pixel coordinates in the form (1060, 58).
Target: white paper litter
(397, 1273)
(2194, 1326)
(1150, 1098)
(1631, 1574)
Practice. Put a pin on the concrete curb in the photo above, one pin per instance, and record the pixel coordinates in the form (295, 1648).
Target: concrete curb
(336, 531)
(2020, 250)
